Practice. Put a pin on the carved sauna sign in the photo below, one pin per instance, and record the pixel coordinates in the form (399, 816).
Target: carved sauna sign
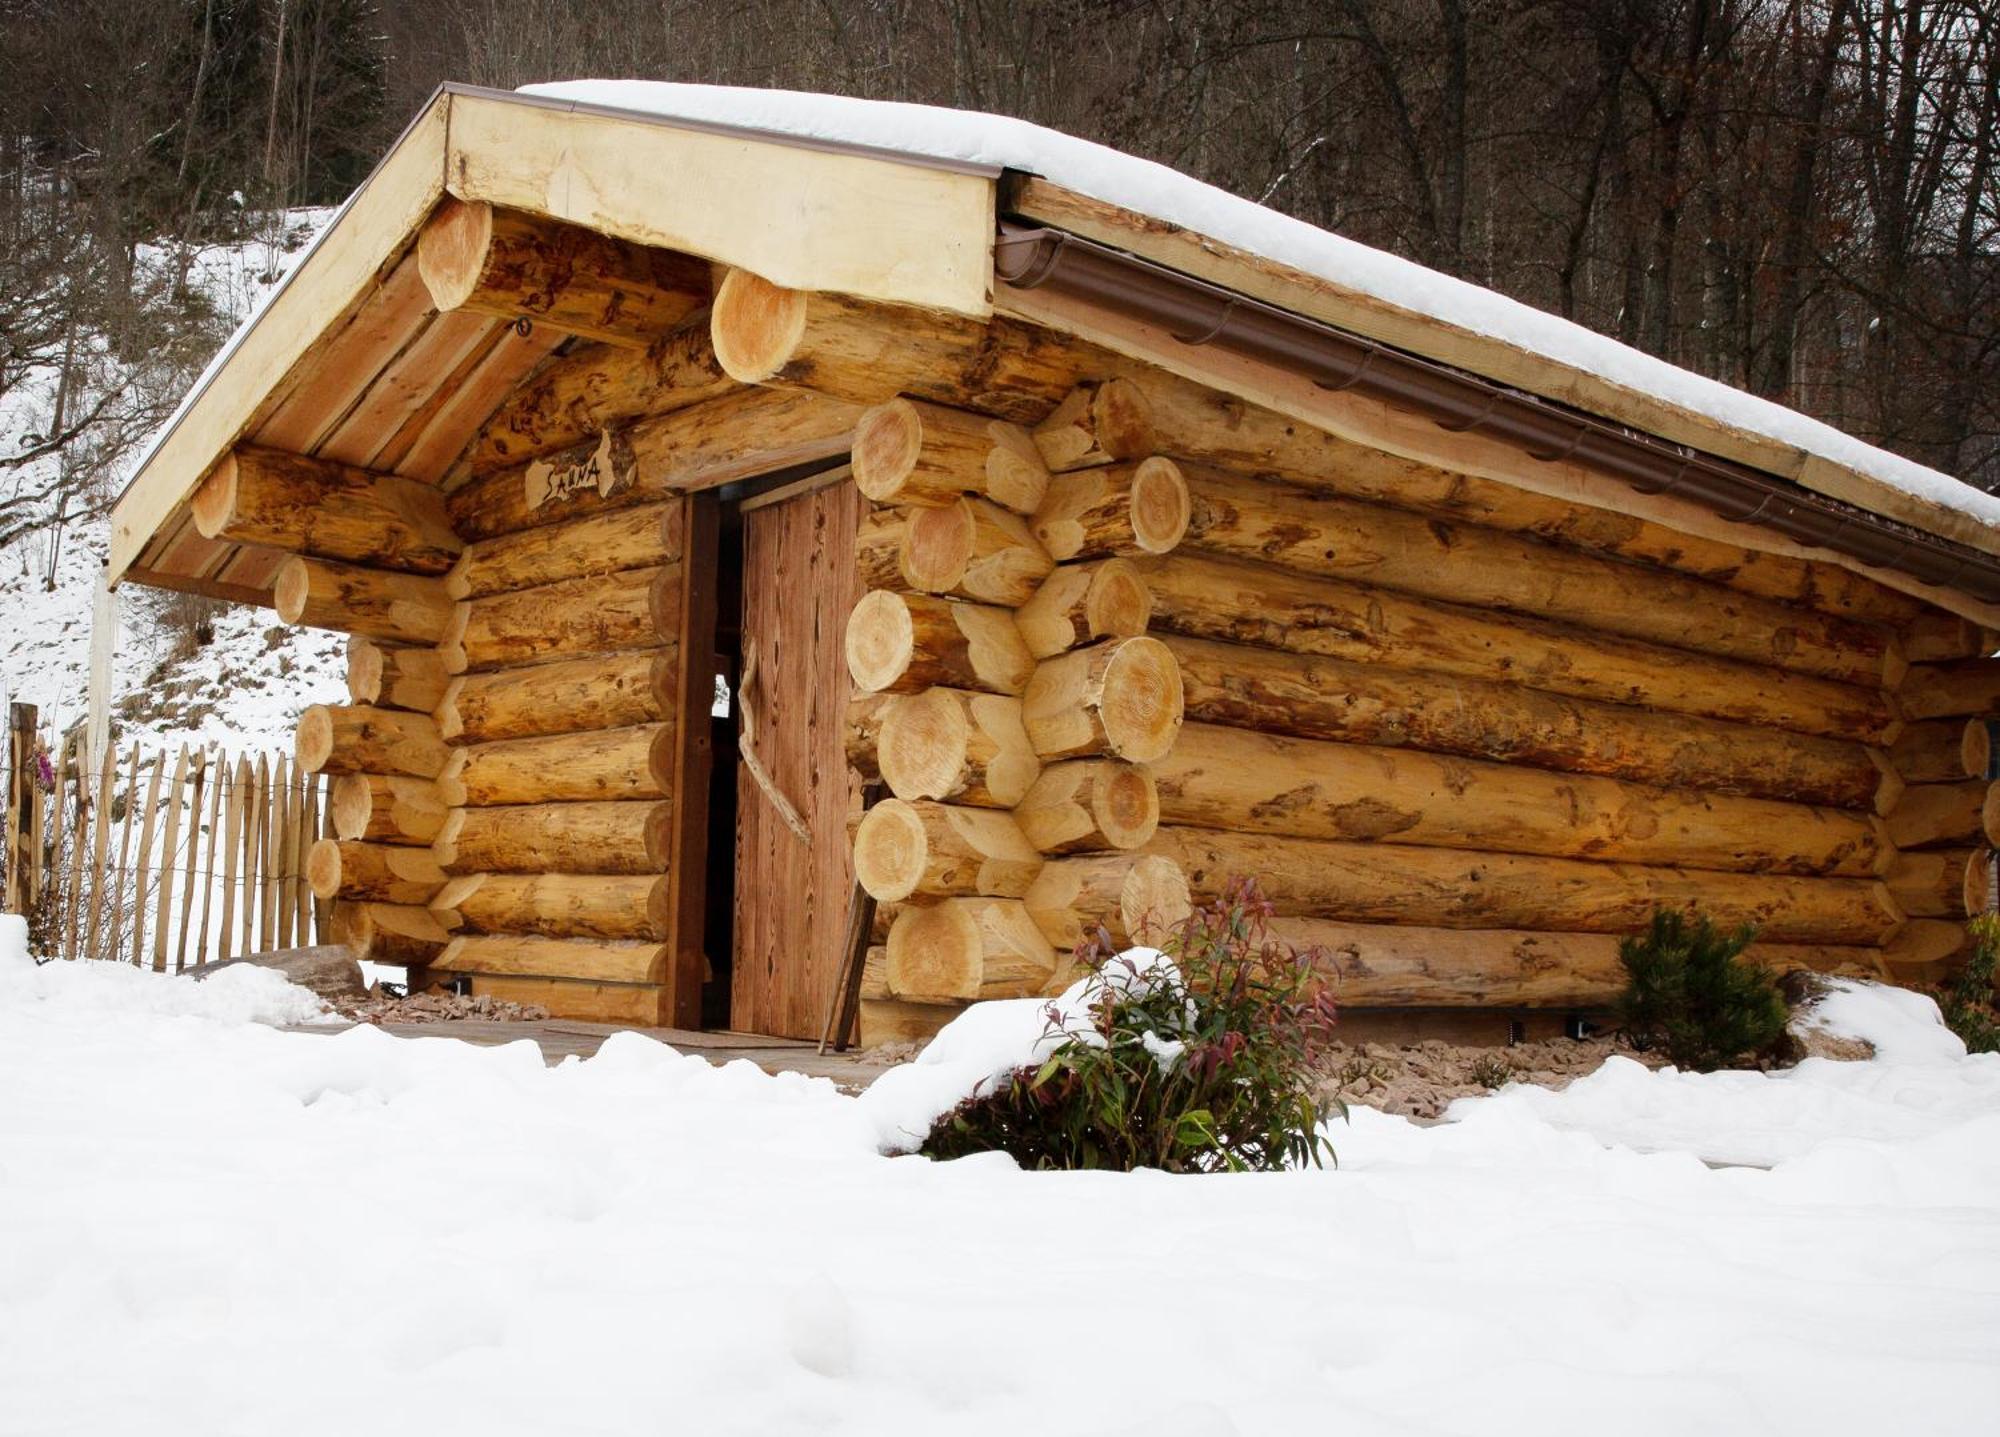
(605, 470)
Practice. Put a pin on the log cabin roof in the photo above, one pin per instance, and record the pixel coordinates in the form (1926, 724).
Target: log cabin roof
(350, 360)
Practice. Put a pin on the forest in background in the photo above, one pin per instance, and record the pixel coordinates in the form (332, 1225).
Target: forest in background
(1800, 197)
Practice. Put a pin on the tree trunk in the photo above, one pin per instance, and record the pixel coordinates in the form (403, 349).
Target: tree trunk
(1090, 806)
(610, 691)
(932, 850)
(327, 510)
(607, 837)
(1135, 898)
(967, 948)
(1308, 696)
(338, 738)
(590, 765)
(1251, 782)
(601, 614)
(581, 905)
(1079, 603)
(396, 678)
(637, 538)
(1448, 888)
(1115, 509)
(905, 643)
(520, 266)
(1120, 698)
(909, 452)
(375, 603)
(386, 808)
(1252, 603)
(964, 748)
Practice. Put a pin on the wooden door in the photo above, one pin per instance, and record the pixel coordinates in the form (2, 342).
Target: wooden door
(792, 894)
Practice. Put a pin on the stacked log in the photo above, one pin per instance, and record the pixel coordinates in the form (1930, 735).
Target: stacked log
(1370, 690)
(1248, 782)
(1003, 633)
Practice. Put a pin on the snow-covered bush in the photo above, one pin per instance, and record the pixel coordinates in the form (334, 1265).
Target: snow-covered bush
(1201, 1064)
(1690, 994)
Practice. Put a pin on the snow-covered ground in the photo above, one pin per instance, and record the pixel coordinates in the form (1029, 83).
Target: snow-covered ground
(208, 1226)
(246, 689)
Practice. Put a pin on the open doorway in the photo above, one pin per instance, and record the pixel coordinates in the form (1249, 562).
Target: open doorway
(780, 871)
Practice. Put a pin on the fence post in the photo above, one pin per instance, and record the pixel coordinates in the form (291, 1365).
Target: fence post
(23, 861)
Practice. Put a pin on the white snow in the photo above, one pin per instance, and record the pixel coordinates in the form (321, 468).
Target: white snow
(989, 1040)
(207, 1226)
(1924, 1087)
(1163, 193)
(1902, 1025)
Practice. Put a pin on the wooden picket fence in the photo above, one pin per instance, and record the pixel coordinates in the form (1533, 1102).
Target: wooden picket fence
(167, 860)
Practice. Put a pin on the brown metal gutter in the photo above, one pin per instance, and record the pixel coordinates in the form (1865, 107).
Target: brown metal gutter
(1196, 312)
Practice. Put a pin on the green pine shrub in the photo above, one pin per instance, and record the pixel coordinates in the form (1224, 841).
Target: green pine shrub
(1209, 1068)
(1690, 994)
(1967, 1001)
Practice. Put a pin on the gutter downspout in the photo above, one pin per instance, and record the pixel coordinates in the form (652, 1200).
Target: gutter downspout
(1196, 313)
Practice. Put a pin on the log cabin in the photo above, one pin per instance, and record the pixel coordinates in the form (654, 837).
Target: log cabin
(795, 548)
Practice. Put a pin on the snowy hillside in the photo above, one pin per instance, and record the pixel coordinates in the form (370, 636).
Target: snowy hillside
(243, 687)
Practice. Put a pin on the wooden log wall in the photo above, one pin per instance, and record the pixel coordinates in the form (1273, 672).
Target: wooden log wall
(1010, 699)
(1124, 638)
(503, 810)
(503, 778)
(1466, 736)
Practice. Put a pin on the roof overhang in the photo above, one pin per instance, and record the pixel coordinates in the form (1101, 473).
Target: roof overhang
(806, 215)
(349, 336)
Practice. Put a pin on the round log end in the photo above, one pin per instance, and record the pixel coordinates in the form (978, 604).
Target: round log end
(937, 546)
(1889, 784)
(1125, 804)
(934, 951)
(1154, 899)
(290, 589)
(450, 722)
(1118, 604)
(364, 670)
(887, 439)
(215, 501)
(323, 868)
(1122, 419)
(881, 637)
(1017, 477)
(1978, 889)
(890, 851)
(660, 908)
(451, 251)
(1989, 813)
(350, 804)
(451, 778)
(1975, 748)
(660, 836)
(921, 747)
(444, 848)
(1159, 506)
(755, 326)
(452, 895)
(1922, 944)
(1143, 702)
(351, 924)
(314, 745)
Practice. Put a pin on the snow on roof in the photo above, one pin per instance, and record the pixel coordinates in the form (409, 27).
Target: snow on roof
(1166, 194)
